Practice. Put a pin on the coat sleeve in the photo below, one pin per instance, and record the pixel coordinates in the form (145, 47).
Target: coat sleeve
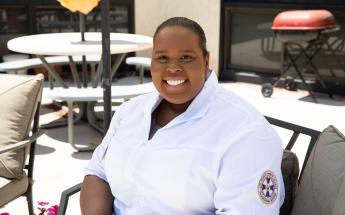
(249, 180)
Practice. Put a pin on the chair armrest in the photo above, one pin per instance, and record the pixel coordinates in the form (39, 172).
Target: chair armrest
(21, 144)
(65, 196)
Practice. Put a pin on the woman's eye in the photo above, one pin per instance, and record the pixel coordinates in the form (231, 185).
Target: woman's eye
(162, 58)
(186, 58)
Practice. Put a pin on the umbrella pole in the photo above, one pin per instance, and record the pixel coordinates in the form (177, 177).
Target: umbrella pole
(82, 32)
(106, 79)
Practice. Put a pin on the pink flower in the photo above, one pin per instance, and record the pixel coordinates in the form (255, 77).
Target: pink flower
(4, 213)
(42, 203)
(44, 210)
(53, 210)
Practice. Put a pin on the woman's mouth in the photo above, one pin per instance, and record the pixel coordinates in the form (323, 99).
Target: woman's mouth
(174, 82)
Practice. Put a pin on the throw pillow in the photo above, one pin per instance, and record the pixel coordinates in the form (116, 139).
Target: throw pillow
(322, 187)
(290, 172)
(18, 98)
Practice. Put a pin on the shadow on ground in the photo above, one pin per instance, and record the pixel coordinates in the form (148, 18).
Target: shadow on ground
(83, 134)
(82, 155)
(325, 100)
(42, 150)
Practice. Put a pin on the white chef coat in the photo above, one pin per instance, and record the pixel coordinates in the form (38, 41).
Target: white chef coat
(212, 159)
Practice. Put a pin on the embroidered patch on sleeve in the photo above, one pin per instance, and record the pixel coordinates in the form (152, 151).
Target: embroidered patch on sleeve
(268, 187)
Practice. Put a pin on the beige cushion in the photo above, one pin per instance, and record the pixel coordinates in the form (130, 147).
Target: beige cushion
(290, 171)
(11, 189)
(18, 96)
(322, 187)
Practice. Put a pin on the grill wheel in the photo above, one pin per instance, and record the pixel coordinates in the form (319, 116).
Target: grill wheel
(267, 90)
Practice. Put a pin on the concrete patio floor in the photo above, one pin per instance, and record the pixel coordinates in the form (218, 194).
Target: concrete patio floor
(58, 166)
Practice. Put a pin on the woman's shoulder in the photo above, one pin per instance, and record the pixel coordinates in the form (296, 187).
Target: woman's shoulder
(236, 115)
(138, 102)
(232, 104)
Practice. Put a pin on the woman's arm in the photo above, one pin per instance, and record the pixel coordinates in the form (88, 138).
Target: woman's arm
(95, 197)
(249, 179)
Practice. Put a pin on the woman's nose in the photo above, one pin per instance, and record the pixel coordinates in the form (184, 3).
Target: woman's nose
(173, 67)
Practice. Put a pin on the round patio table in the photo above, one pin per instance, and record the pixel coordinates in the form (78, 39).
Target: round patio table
(70, 44)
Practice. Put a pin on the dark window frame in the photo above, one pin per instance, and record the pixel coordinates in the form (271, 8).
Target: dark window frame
(30, 8)
(227, 71)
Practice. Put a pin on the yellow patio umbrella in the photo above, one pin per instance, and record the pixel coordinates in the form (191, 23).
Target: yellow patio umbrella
(83, 6)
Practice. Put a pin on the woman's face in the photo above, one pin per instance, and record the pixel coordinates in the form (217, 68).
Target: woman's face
(178, 67)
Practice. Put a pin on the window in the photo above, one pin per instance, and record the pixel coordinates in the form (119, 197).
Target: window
(58, 19)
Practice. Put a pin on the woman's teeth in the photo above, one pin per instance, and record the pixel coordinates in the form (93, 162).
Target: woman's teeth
(175, 82)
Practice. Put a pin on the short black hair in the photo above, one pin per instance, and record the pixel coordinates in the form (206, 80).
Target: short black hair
(186, 23)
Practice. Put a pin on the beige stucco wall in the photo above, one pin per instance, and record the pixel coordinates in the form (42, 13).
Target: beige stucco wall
(150, 13)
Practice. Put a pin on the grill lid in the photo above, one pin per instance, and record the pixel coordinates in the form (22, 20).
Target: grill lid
(304, 20)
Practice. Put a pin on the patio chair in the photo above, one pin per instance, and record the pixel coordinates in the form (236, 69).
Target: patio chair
(323, 150)
(20, 98)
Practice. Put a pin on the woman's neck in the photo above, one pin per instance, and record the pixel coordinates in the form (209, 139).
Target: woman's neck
(166, 111)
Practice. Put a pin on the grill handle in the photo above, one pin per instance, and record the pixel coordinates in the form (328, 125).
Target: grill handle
(335, 28)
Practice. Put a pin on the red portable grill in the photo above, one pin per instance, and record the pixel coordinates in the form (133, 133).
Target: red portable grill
(304, 32)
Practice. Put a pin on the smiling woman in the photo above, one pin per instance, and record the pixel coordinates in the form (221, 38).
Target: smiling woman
(190, 148)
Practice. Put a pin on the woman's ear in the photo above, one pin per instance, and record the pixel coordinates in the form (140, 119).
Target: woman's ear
(207, 60)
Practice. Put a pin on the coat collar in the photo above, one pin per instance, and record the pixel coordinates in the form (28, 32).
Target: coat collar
(198, 107)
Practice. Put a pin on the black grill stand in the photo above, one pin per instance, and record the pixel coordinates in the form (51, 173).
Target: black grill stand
(289, 60)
